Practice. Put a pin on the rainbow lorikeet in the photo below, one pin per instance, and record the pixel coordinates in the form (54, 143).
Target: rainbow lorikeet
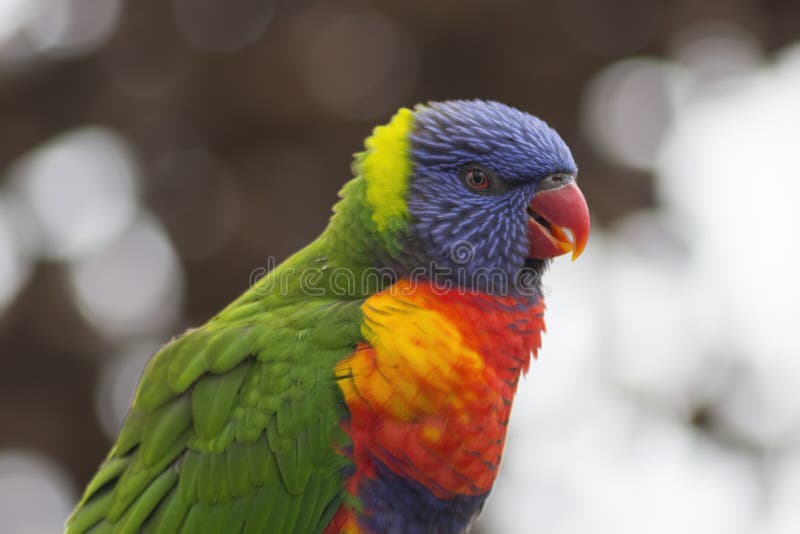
(363, 385)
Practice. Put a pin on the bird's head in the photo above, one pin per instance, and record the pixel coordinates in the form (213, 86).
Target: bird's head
(473, 188)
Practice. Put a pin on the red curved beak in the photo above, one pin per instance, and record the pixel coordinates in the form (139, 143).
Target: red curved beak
(558, 222)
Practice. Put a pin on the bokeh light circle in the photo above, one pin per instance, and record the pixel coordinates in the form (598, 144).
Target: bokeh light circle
(80, 189)
(134, 286)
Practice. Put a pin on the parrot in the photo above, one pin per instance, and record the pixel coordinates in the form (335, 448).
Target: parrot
(364, 384)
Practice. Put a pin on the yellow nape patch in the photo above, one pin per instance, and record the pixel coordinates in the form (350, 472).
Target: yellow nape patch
(386, 167)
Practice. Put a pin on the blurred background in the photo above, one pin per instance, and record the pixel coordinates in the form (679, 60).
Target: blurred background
(153, 154)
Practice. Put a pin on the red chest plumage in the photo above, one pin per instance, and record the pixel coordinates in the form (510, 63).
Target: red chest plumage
(430, 390)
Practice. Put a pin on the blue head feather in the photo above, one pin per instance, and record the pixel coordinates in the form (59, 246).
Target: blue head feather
(517, 145)
(479, 236)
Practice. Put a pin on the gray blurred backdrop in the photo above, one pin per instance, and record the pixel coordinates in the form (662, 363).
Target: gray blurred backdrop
(155, 154)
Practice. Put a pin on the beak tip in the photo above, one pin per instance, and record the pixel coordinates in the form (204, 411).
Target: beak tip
(579, 248)
(566, 209)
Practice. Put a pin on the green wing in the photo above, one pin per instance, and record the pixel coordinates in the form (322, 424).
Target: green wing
(234, 428)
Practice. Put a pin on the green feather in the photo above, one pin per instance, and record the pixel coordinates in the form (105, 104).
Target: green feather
(294, 465)
(213, 399)
(239, 479)
(109, 471)
(169, 516)
(138, 476)
(197, 520)
(131, 433)
(163, 429)
(190, 472)
(236, 425)
(226, 350)
(190, 361)
(261, 509)
(237, 514)
(261, 460)
(146, 502)
(310, 503)
(91, 514)
(102, 528)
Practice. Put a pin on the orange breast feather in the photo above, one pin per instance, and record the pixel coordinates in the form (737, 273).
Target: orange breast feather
(430, 390)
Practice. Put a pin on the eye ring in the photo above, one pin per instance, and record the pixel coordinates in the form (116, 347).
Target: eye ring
(477, 178)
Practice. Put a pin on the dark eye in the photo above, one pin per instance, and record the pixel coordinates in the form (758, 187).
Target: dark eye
(477, 178)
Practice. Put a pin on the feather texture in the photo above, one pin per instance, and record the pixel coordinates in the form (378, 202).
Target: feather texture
(346, 391)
